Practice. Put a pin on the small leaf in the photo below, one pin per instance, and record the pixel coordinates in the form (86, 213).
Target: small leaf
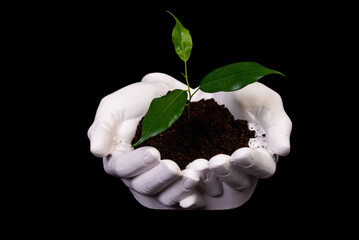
(182, 40)
(162, 114)
(234, 76)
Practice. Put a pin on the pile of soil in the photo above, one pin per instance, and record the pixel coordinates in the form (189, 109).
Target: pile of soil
(211, 130)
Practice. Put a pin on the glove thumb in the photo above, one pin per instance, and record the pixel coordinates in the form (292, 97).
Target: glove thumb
(101, 137)
(278, 135)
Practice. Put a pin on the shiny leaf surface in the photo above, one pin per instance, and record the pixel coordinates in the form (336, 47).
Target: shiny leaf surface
(182, 40)
(162, 113)
(234, 76)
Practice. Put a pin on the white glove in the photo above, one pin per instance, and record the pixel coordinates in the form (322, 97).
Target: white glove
(222, 182)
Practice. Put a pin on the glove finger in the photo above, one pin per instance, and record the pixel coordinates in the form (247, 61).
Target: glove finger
(256, 162)
(180, 189)
(131, 164)
(226, 171)
(194, 201)
(157, 178)
(209, 182)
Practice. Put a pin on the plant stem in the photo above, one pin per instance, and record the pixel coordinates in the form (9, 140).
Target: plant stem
(189, 90)
(191, 95)
(186, 76)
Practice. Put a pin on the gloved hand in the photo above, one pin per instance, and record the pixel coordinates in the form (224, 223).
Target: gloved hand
(222, 182)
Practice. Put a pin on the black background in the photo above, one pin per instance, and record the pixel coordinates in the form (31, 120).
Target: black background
(87, 51)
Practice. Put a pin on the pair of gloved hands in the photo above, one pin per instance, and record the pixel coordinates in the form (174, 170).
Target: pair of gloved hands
(221, 182)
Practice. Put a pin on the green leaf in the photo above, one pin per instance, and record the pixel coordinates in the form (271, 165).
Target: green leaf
(162, 114)
(234, 76)
(182, 40)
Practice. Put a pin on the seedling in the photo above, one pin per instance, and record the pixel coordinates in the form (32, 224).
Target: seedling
(165, 111)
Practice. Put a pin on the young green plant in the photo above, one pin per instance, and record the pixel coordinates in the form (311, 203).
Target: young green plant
(182, 42)
(165, 111)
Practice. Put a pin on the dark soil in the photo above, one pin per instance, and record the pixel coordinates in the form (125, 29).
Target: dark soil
(212, 130)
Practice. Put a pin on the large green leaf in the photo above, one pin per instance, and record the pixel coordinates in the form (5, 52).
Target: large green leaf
(182, 40)
(162, 114)
(234, 76)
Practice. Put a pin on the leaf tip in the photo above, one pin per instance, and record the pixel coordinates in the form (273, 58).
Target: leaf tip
(138, 143)
(135, 145)
(172, 15)
(281, 74)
